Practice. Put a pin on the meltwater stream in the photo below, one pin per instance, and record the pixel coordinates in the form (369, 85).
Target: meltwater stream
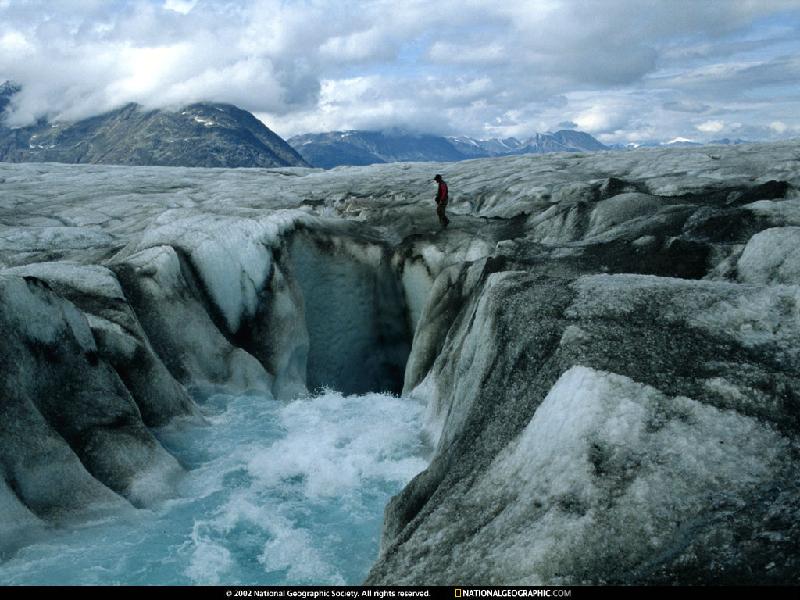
(276, 493)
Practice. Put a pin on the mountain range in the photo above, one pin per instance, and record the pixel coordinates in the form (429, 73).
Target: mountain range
(198, 135)
(207, 134)
(680, 142)
(357, 147)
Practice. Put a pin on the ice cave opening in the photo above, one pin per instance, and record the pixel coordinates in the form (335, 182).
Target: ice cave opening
(359, 334)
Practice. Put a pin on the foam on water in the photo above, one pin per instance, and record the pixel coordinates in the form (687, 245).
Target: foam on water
(276, 494)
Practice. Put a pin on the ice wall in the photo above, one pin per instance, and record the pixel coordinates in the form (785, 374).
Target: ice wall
(354, 312)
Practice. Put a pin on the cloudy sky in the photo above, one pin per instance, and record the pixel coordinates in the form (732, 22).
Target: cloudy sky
(623, 70)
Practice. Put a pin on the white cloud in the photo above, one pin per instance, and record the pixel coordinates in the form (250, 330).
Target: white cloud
(14, 43)
(459, 90)
(446, 52)
(144, 70)
(778, 126)
(622, 69)
(610, 113)
(358, 46)
(180, 6)
(711, 126)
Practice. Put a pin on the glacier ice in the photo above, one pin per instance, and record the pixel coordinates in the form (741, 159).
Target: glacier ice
(613, 465)
(606, 346)
(771, 256)
(354, 312)
(118, 334)
(79, 417)
(164, 292)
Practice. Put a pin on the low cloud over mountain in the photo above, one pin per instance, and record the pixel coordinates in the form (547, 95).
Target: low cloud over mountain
(369, 147)
(198, 135)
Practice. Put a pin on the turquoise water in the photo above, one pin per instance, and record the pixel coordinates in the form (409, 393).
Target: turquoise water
(276, 493)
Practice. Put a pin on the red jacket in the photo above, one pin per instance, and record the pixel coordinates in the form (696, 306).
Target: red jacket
(441, 193)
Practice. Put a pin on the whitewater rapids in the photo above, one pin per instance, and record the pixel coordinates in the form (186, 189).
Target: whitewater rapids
(276, 493)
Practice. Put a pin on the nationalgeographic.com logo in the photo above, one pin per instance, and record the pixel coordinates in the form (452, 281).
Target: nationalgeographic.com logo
(512, 593)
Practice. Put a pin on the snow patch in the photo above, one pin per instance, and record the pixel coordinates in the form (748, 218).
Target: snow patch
(205, 122)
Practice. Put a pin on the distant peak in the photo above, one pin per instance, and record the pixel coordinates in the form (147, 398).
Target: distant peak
(681, 140)
(396, 132)
(9, 88)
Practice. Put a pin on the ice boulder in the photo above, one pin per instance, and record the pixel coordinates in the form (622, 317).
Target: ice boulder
(771, 256)
(608, 474)
(119, 337)
(656, 364)
(71, 431)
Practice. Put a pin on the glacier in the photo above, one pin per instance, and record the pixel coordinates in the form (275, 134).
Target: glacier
(590, 377)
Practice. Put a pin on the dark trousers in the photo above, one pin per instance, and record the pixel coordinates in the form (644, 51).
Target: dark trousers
(443, 220)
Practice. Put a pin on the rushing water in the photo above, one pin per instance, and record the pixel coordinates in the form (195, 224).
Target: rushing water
(276, 493)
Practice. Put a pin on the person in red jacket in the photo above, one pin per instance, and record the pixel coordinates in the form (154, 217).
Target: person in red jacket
(441, 201)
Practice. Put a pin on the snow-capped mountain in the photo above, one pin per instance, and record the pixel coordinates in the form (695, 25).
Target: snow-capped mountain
(336, 148)
(357, 147)
(681, 142)
(199, 135)
(677, 142)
